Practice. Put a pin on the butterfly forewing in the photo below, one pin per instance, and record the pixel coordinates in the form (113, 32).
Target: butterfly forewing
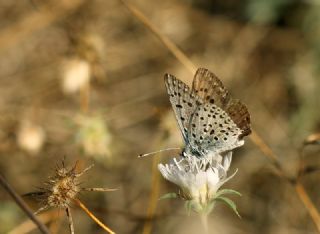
(209, 88)
(184, 102)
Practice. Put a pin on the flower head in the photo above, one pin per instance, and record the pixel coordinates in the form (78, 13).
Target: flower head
(76, 73)
(62, 188)
(199, 178)
(94, 136)
(61, 191)
(31, 137)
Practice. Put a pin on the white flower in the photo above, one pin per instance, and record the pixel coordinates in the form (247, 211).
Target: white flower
(94, 136)
(31, 137)
(199, 178)
(76, 73)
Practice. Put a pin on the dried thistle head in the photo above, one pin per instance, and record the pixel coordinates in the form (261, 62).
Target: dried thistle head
(61, 188)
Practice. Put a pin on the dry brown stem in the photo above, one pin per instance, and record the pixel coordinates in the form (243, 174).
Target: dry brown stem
(165, 40)
(22, 205)
(27, 226)
(89, 213)
(153, 197)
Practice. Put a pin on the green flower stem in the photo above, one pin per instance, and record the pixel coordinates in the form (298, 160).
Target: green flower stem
(204, 221)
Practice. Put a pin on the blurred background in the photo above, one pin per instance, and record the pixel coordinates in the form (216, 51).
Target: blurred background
(84, 80)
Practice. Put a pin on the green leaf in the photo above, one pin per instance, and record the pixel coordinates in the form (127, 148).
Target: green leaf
(230, 203)
(210, 206)
(227, 191)
(188, 205)
(168, 196)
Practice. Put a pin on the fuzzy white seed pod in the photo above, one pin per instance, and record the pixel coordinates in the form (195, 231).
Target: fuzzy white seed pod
(31, 137)
(75, 75)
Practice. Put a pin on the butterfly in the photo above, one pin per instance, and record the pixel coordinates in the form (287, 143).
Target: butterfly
(209, 119)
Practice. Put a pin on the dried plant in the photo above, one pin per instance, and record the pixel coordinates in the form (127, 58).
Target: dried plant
(61, 191)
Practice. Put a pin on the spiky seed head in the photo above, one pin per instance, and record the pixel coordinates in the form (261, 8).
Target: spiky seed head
(62, 187)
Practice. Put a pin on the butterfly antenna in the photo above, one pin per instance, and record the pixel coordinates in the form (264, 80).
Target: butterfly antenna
(148, 154)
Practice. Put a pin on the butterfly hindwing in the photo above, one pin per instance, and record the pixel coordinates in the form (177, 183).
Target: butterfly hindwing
(238, 112)
(211, 129)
